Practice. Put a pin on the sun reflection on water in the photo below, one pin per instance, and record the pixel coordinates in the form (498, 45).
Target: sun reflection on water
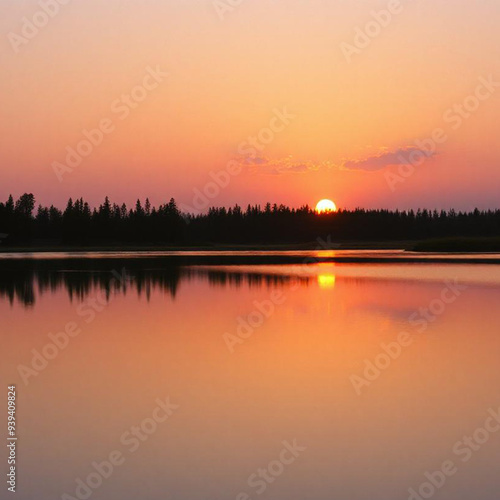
(326, 281)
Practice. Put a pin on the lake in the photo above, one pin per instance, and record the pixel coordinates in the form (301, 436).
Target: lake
(142, 377)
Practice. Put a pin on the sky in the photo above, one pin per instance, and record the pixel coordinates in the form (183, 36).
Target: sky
(376, 104)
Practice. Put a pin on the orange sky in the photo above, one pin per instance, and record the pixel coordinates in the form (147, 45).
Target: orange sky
(355, 120)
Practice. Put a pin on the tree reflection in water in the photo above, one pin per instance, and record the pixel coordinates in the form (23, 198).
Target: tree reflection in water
(24, 280)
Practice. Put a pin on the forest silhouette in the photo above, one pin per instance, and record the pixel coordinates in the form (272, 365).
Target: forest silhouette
(24, 223)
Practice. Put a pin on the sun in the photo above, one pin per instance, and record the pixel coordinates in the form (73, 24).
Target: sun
(325, 206)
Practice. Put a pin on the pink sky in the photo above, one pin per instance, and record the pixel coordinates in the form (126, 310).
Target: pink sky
(352, 120)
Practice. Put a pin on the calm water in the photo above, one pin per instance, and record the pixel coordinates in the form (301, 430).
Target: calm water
(254, 356)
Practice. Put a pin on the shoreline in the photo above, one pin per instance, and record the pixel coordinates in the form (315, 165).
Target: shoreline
(98, 260)
(479, 246)
(389, 245)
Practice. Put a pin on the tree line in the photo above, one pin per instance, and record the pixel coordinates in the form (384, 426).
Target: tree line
(79, 224)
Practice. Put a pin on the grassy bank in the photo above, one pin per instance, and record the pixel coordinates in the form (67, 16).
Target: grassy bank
(117, 247)
(459, 245)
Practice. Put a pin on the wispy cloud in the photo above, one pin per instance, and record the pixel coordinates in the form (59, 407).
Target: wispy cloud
(383, 159)
(386, 158)
(284, 166)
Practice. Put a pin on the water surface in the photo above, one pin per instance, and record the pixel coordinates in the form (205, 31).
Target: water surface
(149, 331)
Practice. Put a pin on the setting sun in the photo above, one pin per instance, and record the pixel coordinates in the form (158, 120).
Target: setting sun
(325, 206)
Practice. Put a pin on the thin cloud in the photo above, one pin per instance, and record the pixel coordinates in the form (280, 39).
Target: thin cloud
(283, 166)
(401, 156)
